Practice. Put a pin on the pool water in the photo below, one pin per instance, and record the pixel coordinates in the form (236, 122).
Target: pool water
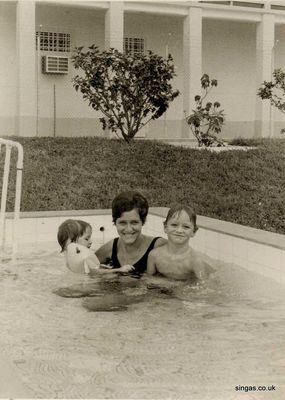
(170, 341)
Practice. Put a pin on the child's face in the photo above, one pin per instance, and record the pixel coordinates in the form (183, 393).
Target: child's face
(85, 239)
(179, 228)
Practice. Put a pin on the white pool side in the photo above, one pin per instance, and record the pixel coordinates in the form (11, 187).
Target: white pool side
(256, 250)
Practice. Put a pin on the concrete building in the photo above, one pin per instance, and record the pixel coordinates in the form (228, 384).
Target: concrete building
(237, 42)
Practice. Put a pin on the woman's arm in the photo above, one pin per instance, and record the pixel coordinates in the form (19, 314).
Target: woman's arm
(104, 253)
(151, 268)
(122, 270)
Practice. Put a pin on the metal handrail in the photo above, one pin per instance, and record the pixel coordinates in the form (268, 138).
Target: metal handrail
(9, 144)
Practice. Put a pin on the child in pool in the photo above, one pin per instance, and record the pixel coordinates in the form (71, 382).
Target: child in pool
(176, 259)
(74, 238)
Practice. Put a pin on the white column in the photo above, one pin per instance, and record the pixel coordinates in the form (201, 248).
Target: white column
(264, 69)
(192, 61)
(26, 68)
(114, 25)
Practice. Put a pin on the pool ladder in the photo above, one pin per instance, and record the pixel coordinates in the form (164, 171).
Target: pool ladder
(8, 145)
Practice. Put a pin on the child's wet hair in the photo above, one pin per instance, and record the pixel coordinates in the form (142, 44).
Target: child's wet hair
(177, 209)
(128, 201)
(71, 229)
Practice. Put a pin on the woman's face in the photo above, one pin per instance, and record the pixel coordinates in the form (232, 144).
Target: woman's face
(129, 226)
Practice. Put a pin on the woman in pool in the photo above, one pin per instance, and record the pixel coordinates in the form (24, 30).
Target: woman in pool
(129, 212)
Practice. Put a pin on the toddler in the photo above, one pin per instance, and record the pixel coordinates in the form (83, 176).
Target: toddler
(176, 259)
(74, 238)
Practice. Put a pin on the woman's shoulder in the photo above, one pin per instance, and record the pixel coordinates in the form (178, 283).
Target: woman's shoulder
(160, 241)
(105, 251)
(157, 241)
(157, 251)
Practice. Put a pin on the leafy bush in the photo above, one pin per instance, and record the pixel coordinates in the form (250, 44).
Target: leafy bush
(128, 90)
(274, 91)
(206, 120)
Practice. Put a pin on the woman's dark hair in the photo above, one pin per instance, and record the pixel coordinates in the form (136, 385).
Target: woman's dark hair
(128, 201)
(71, 229)
(176, 209)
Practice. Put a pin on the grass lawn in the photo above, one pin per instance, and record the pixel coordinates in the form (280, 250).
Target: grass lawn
(246, 187)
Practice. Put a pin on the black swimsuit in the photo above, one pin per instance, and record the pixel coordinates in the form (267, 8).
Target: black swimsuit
(140, 265)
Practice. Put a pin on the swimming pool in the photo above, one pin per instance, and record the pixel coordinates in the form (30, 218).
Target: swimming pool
(207, 343)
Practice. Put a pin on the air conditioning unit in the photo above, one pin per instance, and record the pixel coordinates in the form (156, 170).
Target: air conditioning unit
(55, 65)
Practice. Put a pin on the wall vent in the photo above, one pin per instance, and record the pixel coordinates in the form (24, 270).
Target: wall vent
(55, 65)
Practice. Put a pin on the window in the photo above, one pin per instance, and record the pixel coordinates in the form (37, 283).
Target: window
(248, 4)
(277, 7)
(239, 3)
(224, 3)
(133, 46)
(53, 41)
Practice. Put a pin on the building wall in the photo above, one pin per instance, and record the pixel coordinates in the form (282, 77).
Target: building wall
(56, 93)
(8, 76)
(228, 54)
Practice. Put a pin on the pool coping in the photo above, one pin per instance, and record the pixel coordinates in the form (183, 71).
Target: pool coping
(220, 226)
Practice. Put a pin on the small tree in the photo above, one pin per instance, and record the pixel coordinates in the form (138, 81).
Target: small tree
(274, 91)
(128, 90)
(206, 120)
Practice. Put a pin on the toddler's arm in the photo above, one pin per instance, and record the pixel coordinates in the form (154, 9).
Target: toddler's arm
(92, 262)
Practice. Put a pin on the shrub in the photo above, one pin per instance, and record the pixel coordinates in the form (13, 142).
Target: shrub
(128, 90)
(274, 91)
(206, 120)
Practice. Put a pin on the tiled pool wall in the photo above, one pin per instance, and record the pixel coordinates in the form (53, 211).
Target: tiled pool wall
(256, 250)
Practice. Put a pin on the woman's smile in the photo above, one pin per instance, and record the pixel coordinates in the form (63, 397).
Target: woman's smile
(129, 234)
